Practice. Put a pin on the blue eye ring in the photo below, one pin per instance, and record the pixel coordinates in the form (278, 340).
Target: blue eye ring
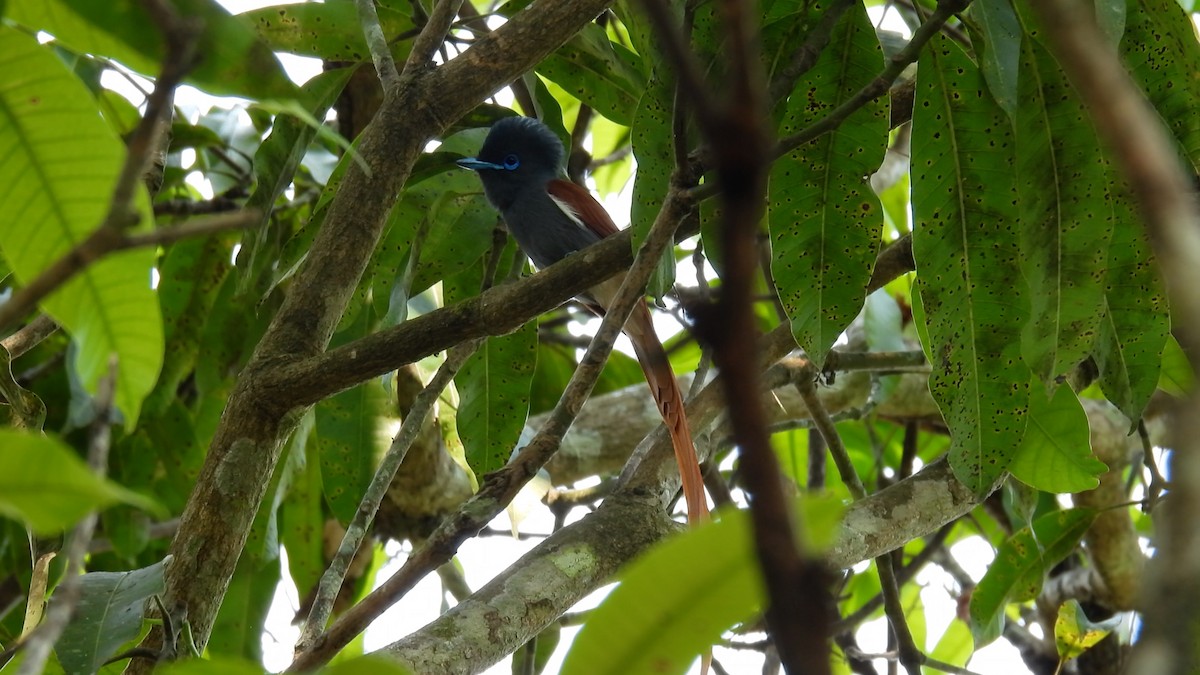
(511, 162)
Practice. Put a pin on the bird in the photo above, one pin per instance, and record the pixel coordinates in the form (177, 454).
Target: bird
(520, 166)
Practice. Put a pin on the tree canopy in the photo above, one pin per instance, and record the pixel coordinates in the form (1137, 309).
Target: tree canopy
(957, 261)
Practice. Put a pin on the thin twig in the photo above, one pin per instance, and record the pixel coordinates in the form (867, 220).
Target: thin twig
(39, 643)
(910, 656)
(198, 227)
(381, 55)
(29, 336)
(356, 532)
(797, 610)
(823, 423)
(881, 83)
(905, 574)
(912, 361)
(501, 486)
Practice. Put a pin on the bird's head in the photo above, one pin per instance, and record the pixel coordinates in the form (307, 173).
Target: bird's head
(519, 152)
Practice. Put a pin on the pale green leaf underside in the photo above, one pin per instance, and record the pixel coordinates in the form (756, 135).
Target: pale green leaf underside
(58, 164)
(43, 484)
(1056, 454)
(109, 614)
(673, 603)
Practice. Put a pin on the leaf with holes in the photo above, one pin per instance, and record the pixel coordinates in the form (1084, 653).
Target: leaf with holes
(350, 436)
(598, 72)
(825, 219)
(330, 31)
(966, 249)
(1075, 633)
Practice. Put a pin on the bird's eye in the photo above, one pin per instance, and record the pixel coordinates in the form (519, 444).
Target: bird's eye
(511, 162)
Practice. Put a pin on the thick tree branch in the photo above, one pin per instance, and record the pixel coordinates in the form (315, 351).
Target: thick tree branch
(497, 311)
(247, 442)
(501, 486)
(536, 590)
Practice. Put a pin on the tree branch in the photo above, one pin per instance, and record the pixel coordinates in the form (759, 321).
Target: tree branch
(335, 574)
(246, 444)
(377, 44)
(501, 486)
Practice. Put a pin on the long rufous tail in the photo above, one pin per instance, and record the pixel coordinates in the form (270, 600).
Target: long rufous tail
(669, 398)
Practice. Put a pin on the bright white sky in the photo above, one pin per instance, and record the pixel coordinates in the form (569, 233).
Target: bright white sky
(482, 558)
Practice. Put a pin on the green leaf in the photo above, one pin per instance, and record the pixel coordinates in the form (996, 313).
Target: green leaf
(999, 50)
(598, 72)
(653, 152)
(1136, 321)
(1020, 566)
(1056, 453)
(965, 246)
(301, 518)
(673, 603)
(191, 274)
(493, 388)
(43, 484)
(1066, 220)
(110, 612)
(1177, 376)
(370, 664)
(1075, 633)
(349, 435)
(235, 61)
(1111, 14)
(61, 161)
(884, 330)
(825, 219)
(1161, 52)
(954, 647)
(329, 31)
(238, 627)
(277, 159)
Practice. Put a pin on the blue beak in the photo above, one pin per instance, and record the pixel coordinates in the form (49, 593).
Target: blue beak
(477, 164)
